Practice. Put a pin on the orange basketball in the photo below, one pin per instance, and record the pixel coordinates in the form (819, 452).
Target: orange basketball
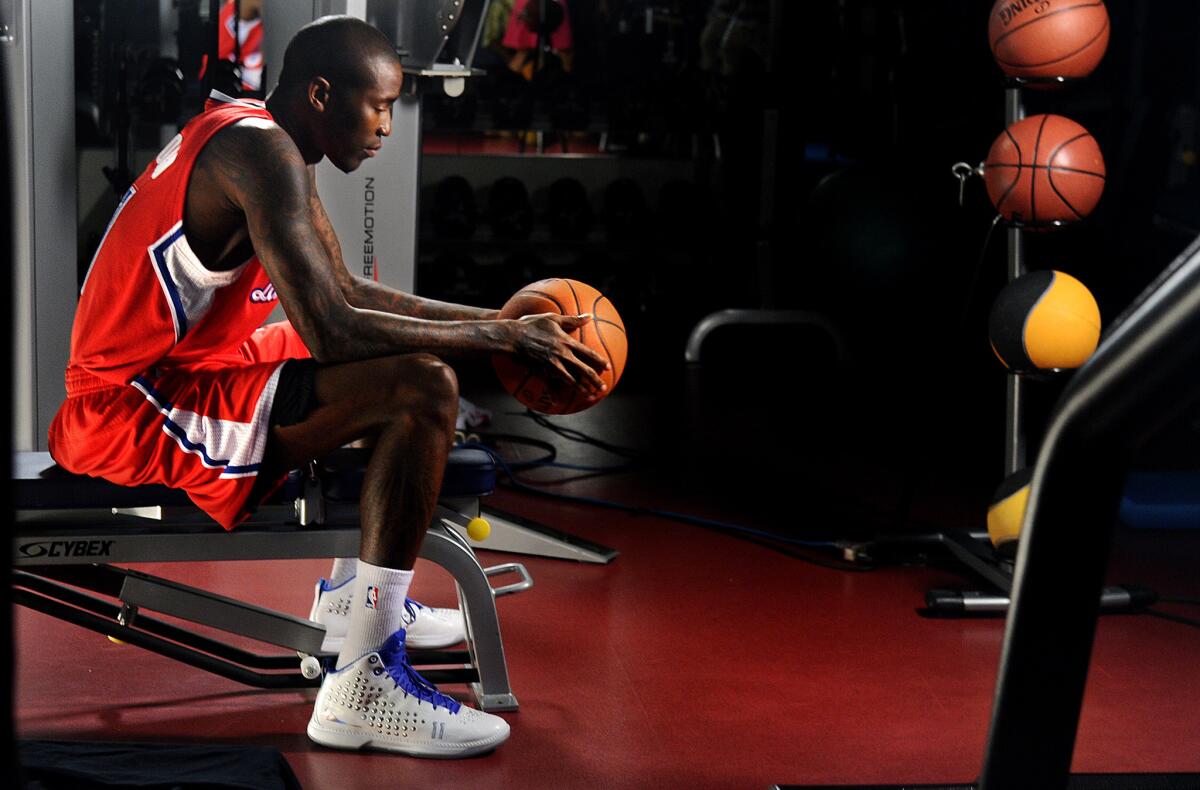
(1044, 169)
(544, 391)
(1048, 38)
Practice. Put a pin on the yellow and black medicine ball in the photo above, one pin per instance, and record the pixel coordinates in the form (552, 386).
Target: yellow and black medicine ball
(1006, 513)
(1044, 320)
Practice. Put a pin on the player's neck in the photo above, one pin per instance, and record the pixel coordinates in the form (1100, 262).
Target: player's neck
(285, 109)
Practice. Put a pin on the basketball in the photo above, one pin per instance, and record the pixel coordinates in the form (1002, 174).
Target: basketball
(546, 392)
(1048, 38)
(1044, 320)
(1044, 169)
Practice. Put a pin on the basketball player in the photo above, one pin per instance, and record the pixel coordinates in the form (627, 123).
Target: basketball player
(172, 380)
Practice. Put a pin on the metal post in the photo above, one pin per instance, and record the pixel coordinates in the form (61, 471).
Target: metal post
(1014, 430)
(38, 62)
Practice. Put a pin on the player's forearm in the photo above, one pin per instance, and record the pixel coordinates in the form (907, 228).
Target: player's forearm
(365, 334)
(368, 295)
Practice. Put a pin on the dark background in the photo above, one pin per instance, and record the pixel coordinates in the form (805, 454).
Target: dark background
(884, 97)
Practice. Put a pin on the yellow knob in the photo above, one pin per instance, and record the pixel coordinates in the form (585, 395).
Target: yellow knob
(479, 529)
(116, 641)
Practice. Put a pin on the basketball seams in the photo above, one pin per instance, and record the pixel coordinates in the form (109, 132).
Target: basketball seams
(571, 288)
(1050, 171)
(1016, 145)
(600, 336)
(1066, 186)
(1061, 196)
(1058, 168)
(1023, 25)
(1062, 145)
(1068, 56)
(524, 381)
(613, 324)
(544, 295)
(1017, 179)
(1037, 147)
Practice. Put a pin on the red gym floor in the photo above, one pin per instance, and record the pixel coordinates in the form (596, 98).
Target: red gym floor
(693, 660)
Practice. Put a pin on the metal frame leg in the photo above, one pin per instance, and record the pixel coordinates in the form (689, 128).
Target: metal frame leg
(447, 548)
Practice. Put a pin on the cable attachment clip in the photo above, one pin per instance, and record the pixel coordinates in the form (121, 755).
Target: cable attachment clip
(963, 171)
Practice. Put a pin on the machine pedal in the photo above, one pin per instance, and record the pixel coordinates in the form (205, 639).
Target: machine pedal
(510, 567)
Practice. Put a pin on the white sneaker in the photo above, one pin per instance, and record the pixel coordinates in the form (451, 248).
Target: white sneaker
(470, 415)
(380, 702)
(428, 628)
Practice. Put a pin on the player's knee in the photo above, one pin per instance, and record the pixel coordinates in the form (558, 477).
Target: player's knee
(428, 387)
(440, 382)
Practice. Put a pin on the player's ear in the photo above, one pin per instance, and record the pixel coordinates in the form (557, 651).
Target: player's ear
(318, 93)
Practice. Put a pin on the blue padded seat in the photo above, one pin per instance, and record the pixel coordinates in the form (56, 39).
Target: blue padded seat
(40, 484)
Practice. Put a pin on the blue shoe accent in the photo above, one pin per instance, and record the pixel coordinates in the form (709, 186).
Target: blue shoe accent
(326, 587)
(395, 661)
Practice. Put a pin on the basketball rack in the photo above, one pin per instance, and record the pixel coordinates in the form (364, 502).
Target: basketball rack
(973, 550)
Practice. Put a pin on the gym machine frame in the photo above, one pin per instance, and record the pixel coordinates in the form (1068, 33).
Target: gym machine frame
(70, 530)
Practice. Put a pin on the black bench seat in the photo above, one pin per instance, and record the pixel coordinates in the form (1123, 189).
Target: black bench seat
(40, 484)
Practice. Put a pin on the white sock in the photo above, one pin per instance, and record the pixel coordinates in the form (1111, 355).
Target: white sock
(343, 570)
(377, 611)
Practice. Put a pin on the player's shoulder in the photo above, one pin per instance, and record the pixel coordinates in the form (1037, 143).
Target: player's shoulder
(255, 162)
(255, 144)
(255, 136)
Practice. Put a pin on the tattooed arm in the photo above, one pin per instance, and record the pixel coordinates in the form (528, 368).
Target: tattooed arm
(263, 176)
(371, 295)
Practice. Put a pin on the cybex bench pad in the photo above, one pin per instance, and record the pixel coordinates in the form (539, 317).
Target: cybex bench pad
(40, 484)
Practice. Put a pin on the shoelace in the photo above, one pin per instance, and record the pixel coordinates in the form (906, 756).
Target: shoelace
(395, 661)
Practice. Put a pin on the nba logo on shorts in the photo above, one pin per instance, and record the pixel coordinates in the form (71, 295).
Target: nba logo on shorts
(372, 596)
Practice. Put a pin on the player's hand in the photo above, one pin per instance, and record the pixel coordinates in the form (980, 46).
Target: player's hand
(545, 339)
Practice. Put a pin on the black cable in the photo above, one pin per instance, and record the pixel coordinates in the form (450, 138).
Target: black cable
(1182, 600)
(780, 544)
(913, 479)
(528, 441)
(975, 277)
(549, 459)
(758, 537)
(813, 559)
(579, 436)
(1172, 617)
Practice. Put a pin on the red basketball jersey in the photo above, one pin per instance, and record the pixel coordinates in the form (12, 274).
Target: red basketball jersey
(147, 300)
(168, 381)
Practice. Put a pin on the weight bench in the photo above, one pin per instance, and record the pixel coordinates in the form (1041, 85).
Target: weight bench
(72, 531)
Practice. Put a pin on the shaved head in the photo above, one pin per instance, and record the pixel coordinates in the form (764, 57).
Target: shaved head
(342, 49)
